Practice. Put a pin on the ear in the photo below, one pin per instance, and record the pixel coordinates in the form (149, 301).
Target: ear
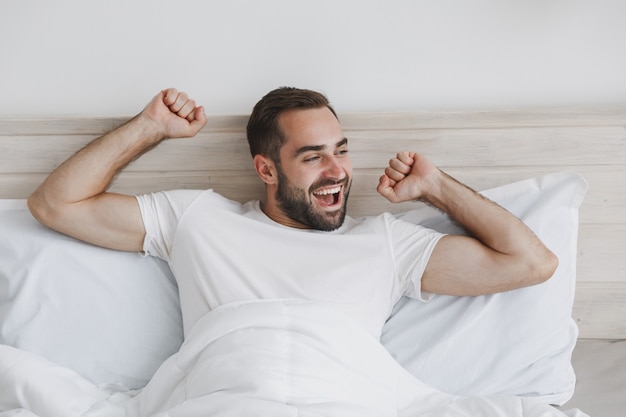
(265, 169)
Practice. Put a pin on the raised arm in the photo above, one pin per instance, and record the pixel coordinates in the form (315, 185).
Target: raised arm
(502, 254)
(73, 199)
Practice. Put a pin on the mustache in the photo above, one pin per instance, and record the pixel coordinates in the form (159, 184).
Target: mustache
(328, 182)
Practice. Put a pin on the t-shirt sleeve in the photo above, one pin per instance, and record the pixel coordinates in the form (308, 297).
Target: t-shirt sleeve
(161, 213)
(413, 245)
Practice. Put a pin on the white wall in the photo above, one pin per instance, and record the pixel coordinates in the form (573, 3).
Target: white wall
(65, 57)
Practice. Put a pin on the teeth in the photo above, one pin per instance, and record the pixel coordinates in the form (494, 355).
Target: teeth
(328, 191)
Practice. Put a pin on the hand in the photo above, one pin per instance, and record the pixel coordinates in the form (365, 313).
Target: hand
(174, 115)
(407, 178)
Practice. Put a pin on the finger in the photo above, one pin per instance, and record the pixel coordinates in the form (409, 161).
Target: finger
(400, 166)
(169, 96)
(407, 158)
(383, 184)
(199, 120)
(385, 188)
(179, 103)
(188, 109)
(394, 174)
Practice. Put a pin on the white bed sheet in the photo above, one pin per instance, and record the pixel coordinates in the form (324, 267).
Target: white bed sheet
(600, 367)
(264, 358)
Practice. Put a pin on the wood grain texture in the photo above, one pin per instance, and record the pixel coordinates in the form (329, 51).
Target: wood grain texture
(483, 149)
(600, 310)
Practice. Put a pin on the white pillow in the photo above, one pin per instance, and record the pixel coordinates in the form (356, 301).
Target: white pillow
(113, 317)
(518, 342)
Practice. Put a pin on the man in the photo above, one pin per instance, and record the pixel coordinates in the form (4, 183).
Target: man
(298, 243)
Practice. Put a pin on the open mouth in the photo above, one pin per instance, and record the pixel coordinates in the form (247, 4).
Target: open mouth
(328, 197)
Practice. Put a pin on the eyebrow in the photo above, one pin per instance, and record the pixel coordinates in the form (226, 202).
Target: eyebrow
(315, 148)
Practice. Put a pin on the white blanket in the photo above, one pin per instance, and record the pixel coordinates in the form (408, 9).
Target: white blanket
(263, 358)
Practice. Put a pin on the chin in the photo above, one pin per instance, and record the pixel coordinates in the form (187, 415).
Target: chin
(330, 221)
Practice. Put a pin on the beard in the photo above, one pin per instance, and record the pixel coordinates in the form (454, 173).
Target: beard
(297, 205)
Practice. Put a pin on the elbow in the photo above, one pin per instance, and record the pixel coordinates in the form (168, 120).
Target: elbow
(36, 205)
(544, 267)
(40, 208)
(550, 264)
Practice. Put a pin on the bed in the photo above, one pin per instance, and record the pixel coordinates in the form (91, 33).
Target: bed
(83, 330)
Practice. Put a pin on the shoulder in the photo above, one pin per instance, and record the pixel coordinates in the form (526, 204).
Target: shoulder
(381, 220)
(181, 199)
(395, 227)
(214, 199)
(382, 223)
(172, 205)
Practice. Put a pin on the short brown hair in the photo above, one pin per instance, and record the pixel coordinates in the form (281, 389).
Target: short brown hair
(264, 134)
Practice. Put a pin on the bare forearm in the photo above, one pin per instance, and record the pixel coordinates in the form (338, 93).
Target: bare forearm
(528, 261)
(502, 254)
(74, 200)
(487, 221)
(90, 171)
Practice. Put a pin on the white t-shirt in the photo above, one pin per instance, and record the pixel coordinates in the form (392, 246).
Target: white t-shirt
(221, 251)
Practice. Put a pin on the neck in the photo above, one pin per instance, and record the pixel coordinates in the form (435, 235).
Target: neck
(274, 212)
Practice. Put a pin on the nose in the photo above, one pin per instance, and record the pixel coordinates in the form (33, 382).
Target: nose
(335, 168)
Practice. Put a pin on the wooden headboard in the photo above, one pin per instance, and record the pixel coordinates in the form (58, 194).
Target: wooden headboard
(481, 149)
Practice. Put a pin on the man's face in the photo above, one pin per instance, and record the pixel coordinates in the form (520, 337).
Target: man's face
(314, 175)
